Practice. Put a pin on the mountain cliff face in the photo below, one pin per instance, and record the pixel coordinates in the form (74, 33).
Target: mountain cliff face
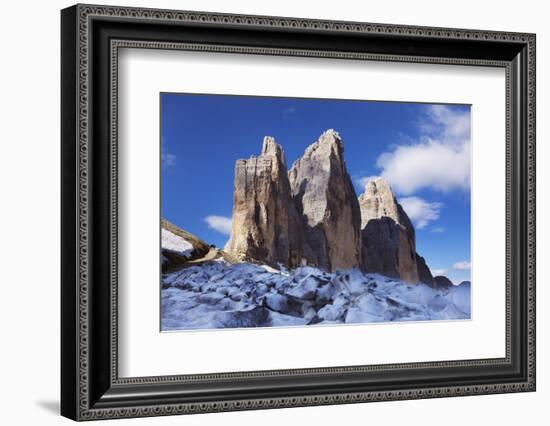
(260, 226)
(424, 274)
(324, 198)
(312, 216)
(388, 236)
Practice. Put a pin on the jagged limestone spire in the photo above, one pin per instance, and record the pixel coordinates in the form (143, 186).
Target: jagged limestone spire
(326, 202)
(311, 214)
(261, 199)
(389, 242)
(378, 200)
(270, 147)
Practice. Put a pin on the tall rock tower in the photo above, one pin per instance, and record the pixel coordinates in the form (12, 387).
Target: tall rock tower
(388, 237)
(326, 205)
(261, 198)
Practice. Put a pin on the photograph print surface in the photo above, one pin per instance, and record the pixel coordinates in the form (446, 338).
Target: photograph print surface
(308, 212)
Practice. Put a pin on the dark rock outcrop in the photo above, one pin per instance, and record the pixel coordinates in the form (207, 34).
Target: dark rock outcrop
(424, 274)
(442, 281)
(173, 259)
(388, 236)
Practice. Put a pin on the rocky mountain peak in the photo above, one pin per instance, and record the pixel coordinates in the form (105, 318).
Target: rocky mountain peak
(260, 225)
(311, 215)
(379, 201)
(270, 147)
(329, 137)
(325, 200)
(328, 144)
(388, 236)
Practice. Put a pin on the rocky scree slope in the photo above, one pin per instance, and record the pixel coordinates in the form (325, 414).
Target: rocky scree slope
(218, 294)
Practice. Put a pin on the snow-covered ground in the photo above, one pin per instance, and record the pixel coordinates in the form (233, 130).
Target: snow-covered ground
(222, 295)
(175, 243)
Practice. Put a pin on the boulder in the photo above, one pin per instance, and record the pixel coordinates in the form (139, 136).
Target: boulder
(277, 302)
(255, 317)
(306, 289)
(332, 312)
(284, 304)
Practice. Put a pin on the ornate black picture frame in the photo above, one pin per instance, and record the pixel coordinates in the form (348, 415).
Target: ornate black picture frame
(90, 38)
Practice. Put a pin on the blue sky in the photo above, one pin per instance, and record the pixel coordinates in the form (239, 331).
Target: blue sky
(423, 150)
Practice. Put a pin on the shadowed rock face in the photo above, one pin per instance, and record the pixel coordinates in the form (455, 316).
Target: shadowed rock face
(260, 225)
(388, 237)
(442, 281)
(424, 274)
(327, 207)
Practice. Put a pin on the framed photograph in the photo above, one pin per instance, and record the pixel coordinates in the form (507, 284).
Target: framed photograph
(263, 212)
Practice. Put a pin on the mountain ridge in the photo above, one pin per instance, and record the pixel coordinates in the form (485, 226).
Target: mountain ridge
(311, 215)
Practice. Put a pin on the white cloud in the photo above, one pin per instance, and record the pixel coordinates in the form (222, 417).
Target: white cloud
(221, 224)
(462, 266)
(420, 211)
(436, 272)
(439, 159)
(167, 158)
(438, 230)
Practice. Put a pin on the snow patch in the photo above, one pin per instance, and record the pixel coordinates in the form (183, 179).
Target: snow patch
(176, 244)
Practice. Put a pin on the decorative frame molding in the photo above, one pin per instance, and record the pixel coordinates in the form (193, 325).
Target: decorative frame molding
(91, 388)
